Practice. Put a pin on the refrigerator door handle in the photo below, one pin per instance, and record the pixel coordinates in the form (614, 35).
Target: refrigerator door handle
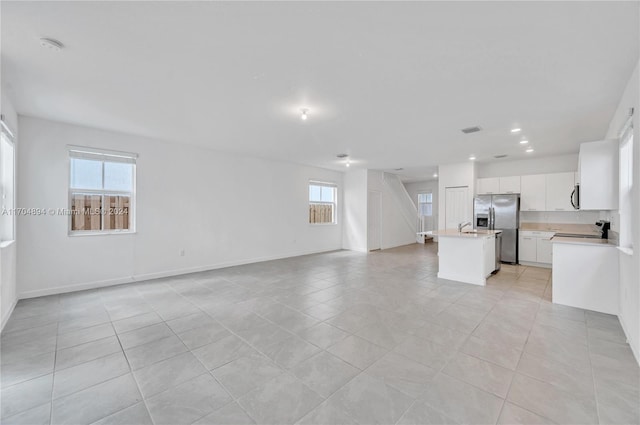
(492, 218)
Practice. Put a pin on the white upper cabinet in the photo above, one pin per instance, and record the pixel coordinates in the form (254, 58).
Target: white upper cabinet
(598, 169)
(558, 191)
(488, 186)
(494, 185)
(510, 184)
(533, 192)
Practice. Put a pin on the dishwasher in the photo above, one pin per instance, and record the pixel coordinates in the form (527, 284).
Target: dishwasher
(498, 252)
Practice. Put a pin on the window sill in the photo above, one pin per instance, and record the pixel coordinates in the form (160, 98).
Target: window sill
(626, 251)
(5, 244)
(76, 234)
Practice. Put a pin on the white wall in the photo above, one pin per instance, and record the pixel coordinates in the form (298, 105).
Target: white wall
(630, 262)
(453, 175)
(395, 229)
(355, 211)
(205, 202)
(8, 293)
(414, 188)
(545, 165)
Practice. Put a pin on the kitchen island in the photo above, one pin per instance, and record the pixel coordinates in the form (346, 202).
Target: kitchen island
(467, 256)
(585, 274)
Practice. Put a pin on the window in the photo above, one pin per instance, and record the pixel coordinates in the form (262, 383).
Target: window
(425, 211)
(626, 185)
(322, 203)
(7, 185)
(101, 191)
(425, 204)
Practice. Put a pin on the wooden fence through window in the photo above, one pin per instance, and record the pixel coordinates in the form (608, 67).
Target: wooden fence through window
(320, 213)
(87, 212)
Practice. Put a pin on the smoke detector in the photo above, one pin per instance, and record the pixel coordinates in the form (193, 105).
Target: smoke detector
(51, 44)
(473, 129)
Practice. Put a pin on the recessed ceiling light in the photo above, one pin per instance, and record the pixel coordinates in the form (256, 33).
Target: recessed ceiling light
(348, 164)
(529, 150)
(516, 130)
(524, 142)
(472, 157)
(304, 114)
(435, 174)
(51, 44)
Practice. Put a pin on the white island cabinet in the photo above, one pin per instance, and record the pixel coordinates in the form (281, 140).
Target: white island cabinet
(467, 256)
(585, 274)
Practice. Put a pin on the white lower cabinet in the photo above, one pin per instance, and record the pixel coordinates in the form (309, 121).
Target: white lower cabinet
(543, 250)
(535, 247)
(527, 249)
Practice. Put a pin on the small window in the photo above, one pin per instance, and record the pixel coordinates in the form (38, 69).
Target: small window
(626, 187)
(322, 203)
(101, 191)
(425, 204)
(7, 185)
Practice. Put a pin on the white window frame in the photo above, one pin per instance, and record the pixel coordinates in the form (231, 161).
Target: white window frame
(105, 156)
(334, 203)
(625, 208)
(10, 213)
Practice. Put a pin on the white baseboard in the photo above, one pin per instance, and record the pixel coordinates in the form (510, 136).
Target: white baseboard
(634, 348)
(462, 279)
(532, 264)
(156, 275)
(7, 314)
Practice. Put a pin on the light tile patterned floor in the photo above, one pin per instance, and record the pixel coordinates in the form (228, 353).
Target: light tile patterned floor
(340, 337)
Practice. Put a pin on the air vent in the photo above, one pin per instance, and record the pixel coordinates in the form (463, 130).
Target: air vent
(500, 156)
(398, 169)
(342, 155)
(473, 129)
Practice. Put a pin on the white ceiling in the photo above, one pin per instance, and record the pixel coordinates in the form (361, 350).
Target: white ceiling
(389, 83)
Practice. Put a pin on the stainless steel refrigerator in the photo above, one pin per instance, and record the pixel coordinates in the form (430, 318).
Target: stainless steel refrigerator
(500, 212)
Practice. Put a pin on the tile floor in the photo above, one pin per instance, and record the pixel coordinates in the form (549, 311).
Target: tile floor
(335, 338)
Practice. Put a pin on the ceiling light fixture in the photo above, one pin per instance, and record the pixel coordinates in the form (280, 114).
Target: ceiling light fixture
(529, 150)
(435, 174)
(304, 114)
(51, 44)
(472, 157)
(516, 130)
(524, 142)
(348, 164)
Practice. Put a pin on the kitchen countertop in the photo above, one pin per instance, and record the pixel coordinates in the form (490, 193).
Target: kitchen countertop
(472, 234)
(576, 229)
(582, 241)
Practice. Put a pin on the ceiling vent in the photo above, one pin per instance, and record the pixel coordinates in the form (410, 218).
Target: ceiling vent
(500, 156)
(342, 155)
(473, 129)
(398, 169)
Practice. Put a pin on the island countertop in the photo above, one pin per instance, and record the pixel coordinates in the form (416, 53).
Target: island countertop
(474, 234)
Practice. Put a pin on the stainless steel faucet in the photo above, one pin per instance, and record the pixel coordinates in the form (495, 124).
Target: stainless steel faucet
(463, 225)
